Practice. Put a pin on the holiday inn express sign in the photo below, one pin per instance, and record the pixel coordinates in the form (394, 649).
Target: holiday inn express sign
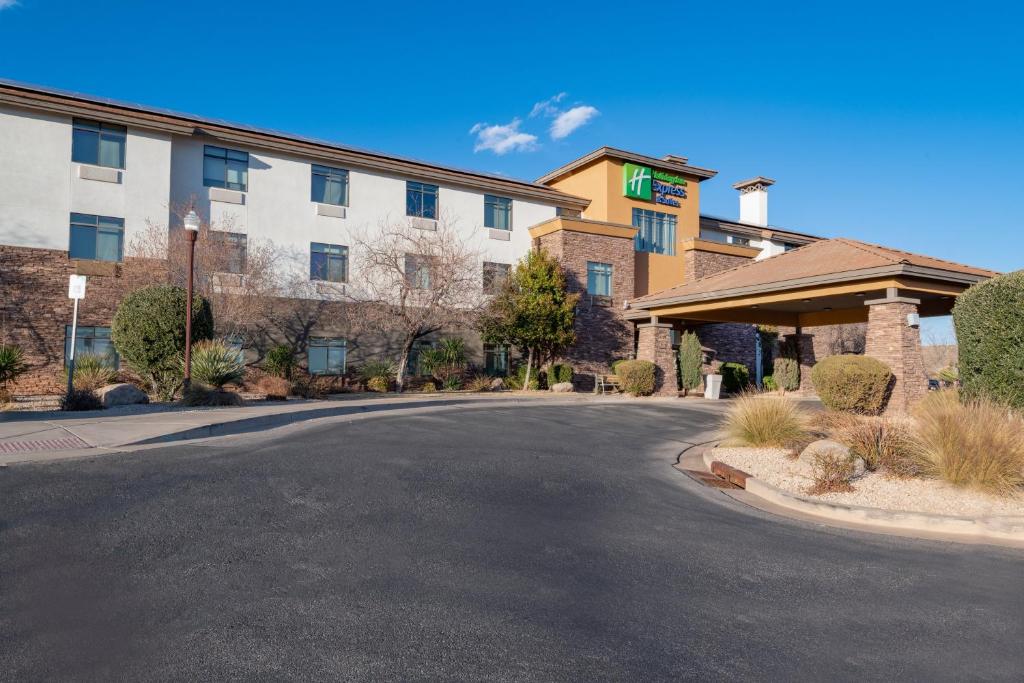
(646, 184)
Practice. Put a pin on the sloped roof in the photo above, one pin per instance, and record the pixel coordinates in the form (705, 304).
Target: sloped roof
(824, 261)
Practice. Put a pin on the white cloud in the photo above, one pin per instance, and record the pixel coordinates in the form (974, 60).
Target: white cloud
(502, 139)
(4, 4)
(568, 121)
(547, 107)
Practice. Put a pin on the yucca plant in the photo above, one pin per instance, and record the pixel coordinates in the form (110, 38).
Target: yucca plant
(92, 371)
(445, 361)
(215, 363)
(377, 369)
(12, 364)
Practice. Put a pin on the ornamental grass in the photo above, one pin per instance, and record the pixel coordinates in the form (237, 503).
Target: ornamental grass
(761, 420)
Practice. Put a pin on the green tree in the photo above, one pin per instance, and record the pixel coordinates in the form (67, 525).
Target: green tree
(691, 362)
(149, 333)
(533, 311)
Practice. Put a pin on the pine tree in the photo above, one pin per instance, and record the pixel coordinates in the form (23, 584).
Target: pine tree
(533, 311)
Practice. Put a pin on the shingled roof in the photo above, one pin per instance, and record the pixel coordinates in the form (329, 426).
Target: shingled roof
(825, 261)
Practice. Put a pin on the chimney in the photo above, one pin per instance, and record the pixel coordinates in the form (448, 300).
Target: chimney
(754, 200)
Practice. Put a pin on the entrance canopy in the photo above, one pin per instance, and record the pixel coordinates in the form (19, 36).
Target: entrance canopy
(823, 283)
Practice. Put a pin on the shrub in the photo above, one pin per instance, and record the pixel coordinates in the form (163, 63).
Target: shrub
(149, 333)
(280, 361)
(691, 362)
(378, 384)
(831, 473)
(313, 386)
(12, 365)
(786, 369)
(989, 322)
(881, 443)
(216, 364)
(92, 371)
(199, 394)
(769, 383)
(559, 373)
(377, 369)
(452, 384)
(273, 387)
(735, 377)
(637, 377)
(977, 444)
(765, 421)
(428, 388)
(479, 383)
(858, 384)
(80, 399)
(518, 378)
(616, 363)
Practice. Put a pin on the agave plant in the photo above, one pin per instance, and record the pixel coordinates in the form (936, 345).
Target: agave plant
(216, 364)
(374, 369)
(93, 371)
(12, 364)
(445, 361)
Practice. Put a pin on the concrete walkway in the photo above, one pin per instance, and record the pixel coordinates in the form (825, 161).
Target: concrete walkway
(50, 435)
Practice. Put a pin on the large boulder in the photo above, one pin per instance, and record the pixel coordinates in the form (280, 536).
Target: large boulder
(562, 388)
(121, 395)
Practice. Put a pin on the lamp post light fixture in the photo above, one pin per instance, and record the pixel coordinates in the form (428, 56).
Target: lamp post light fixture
(191, 233)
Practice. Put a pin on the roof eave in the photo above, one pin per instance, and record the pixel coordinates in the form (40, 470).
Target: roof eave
(700, 173)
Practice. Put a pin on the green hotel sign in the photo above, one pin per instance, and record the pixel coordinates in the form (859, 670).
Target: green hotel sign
(644, 183)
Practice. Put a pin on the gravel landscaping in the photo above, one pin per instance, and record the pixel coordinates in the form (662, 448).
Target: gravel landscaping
(774, 467)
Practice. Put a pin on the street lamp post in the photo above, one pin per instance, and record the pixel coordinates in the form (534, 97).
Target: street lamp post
(191, 233)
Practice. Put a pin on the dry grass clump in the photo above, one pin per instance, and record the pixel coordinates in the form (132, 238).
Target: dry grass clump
(274, 387)
(765, 421)
(883, 443)
(975, 444)
(831, 473)
(480, 383)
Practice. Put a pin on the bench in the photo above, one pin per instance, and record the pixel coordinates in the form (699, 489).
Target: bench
(608, 382)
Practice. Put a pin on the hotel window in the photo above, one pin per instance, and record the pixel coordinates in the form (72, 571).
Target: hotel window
(326, 356)
(329, 185)
(656, 231)
(495, 275)
(96, 238)
(420, 200)
(234, 250)
(724, 237)
(495, 360)
(98, 144)
(417, 271)
(226, 168)
(497, 212)
(93, 341)
(328, 262)
(599, 279)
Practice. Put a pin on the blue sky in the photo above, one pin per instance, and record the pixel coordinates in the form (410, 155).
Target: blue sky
(899, 123)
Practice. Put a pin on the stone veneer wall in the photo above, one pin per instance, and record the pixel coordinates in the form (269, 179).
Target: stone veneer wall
(698, 264)
(602, 334)
(34, 310)
(891, 340)
(654, 343)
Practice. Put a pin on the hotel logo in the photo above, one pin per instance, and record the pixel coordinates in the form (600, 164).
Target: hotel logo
(636, 182)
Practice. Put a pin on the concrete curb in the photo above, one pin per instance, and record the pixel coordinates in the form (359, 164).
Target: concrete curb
(1004, 528)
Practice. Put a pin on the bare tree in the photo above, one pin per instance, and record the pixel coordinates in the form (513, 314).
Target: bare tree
(414, 281)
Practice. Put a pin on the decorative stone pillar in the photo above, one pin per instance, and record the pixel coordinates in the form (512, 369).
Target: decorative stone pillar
(655, 344)
(805, 357)
(892, 340)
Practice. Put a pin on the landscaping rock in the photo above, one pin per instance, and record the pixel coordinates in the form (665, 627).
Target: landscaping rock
(497, 384)
(562, 388)
(823, 446)
(859, 468)
(121, 395)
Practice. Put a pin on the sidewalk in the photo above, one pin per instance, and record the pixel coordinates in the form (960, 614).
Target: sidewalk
(52, 435)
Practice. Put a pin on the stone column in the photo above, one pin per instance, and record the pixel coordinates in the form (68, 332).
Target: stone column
(805, 357)
(893, 341)
(655, 344)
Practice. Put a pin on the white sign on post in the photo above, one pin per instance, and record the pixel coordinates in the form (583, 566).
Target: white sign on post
(76, 287)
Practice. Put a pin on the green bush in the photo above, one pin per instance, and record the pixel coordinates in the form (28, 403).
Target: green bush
(856, 384)
(92, 371)
(616, 363)
(80, 399)
(280, 361)
(735, 377)
(12, 364)
(452, 383)
(786, 368)
(378, 384)
(769, 383)
(516, 380)
(559, 373)
(989, 323)
(637, 377)
(149, 333)
(691, 362)
(216, 364)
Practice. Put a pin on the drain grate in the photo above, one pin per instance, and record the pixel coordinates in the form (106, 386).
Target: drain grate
(709, 479)
(63, 444)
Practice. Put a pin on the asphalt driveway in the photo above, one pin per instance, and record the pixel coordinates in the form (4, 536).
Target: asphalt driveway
(525, 543)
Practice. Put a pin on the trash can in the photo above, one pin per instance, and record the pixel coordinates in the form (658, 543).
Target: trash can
(712, 386)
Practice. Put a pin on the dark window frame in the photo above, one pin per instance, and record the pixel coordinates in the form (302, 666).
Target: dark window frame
(603, 270)
(330, 174)
(493, 205)
(416, 194)
(327, 343)
(656, 231)
(226, 155)
(80, 148)
(332, 253)
(85, 335)
(98, 225)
